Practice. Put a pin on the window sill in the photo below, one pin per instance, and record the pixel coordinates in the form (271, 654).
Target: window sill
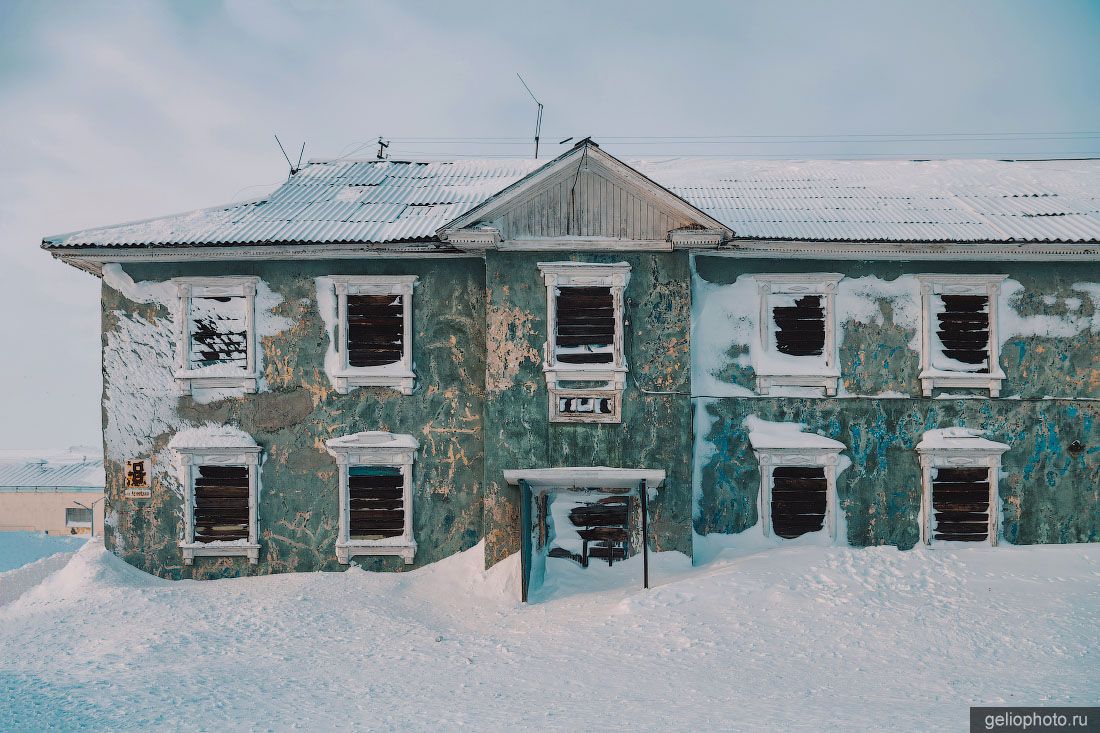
(826, 382)
(188, 381)
(213, 549)
(933, 378)
(398, 547)
(401, 380)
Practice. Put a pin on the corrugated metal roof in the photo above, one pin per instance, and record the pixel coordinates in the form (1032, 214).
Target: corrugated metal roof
(64, 469)
(884, 201)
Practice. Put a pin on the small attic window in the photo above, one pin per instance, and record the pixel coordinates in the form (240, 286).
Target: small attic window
(959, 345)
(797, 332)
(216, 339)
(373, 342)
(585, 366)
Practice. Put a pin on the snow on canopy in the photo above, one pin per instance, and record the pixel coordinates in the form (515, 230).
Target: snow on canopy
(376, 202)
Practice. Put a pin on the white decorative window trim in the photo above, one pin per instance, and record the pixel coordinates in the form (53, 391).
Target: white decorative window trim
(930, 377)
(960, 452)
(770, 458)
(188, 379)
(375, 448)
(188, 459)
(825, 374)
(559, 375)
(398, 376)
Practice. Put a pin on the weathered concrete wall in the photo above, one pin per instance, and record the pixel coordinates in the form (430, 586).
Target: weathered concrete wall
(295, 415)
(1049, 493)
(656, 428)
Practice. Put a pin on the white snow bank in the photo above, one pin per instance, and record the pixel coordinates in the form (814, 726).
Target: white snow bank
(782, 639)
(765, 434)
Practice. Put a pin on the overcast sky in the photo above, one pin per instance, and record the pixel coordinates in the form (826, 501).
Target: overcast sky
(124, 110)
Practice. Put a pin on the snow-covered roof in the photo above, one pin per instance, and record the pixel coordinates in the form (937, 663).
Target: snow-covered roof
(371, 201)
(73, 469)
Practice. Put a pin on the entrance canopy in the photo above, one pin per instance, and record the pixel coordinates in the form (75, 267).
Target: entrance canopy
(579, 478)
(534, 482)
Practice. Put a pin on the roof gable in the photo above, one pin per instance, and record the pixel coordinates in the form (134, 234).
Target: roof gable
(586, 193)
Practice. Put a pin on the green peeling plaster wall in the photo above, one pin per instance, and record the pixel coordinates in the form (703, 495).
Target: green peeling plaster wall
(656, 429)
(1049, 493)
(300, 410)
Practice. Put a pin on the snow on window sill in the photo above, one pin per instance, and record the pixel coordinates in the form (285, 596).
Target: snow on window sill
(826, 382)
(398, 547)
(191, 379)
(933, 378)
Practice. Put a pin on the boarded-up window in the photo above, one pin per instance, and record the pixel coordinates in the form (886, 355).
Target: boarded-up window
(798, 500)
(218, 329)
(591, 405)
(800, 325)
(960, 502)
(221, 503)
(375, 330)
(963, 331)
(376, 507)
(584, 331)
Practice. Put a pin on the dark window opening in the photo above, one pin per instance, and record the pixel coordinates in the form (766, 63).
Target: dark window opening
(586, 405)
(585, 327)
(221, 503)
(960, 502)
(798, 500)
(964, 328)
(218, 331)
(376, 504)
(800, 329)
(375, 330)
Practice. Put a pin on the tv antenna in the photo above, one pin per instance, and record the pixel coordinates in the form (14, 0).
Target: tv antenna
(538, 119)
(382, 145)
(294, 167)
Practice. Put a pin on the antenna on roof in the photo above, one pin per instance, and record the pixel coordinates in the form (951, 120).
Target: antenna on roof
(293, 168)
(538, 119)
(382, 145)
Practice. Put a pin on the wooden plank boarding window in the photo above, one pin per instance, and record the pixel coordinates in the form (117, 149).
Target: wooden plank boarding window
(959, 343)
(798, 500)
(585, 325)
(221, 494)
(960, 504)
(221, 503)
(585, 367)
(373, 330)
(375, 494)
(216, 345)
(376, 503)
(960, 494)
(797, 332)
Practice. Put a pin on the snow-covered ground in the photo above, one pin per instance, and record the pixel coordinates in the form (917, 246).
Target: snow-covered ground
(794, 638)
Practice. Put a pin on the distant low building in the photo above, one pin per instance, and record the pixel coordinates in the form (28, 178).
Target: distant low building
(56, 492)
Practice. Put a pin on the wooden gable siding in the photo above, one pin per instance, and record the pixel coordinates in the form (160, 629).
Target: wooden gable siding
(588, 205)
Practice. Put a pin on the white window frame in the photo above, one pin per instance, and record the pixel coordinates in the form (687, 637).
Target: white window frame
(770, 458)
(558, 375)
(398, 376)
(375, 448)
(76, 524)
(823, 284)
(931, 378)
(961, 453)
(188, 379)
(188, 459)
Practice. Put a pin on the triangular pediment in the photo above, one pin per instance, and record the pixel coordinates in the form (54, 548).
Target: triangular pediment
(589, 195)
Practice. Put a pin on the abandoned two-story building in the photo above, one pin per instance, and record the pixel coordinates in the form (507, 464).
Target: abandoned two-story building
(388, 362)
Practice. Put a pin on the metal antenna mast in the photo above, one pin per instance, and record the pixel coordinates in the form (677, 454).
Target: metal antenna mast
(538, 119)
